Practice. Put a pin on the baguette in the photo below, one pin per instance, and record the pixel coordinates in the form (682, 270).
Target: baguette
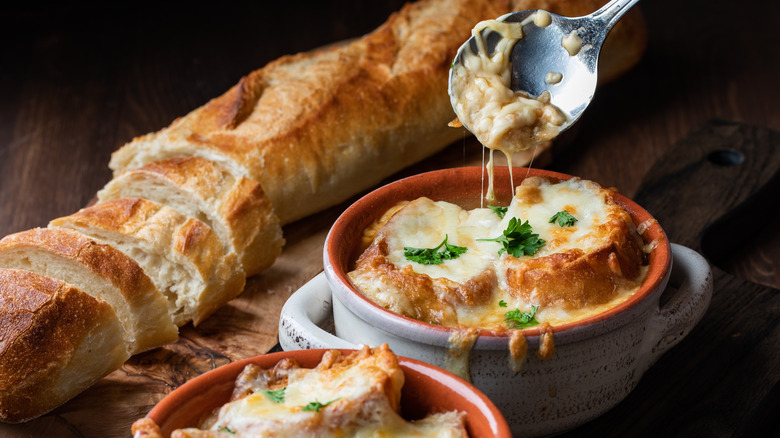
(183, 256)
(99, 270)
(55, 341)
(316, 128)
(236, 208)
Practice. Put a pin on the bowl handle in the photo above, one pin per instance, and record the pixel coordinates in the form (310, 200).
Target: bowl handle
(303, 316)
(690, 286)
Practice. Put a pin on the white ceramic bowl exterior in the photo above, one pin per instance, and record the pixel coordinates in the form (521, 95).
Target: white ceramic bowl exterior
(593, 368)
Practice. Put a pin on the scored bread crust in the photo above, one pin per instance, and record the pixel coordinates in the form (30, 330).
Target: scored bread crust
(55, 341)
(183, 256)
(236, 208)
(316, 128)
(140, 306)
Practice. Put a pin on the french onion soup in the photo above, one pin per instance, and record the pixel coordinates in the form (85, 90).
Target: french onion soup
(561, 251)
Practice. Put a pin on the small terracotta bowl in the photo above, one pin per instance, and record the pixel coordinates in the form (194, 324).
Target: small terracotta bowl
(427, 389)
(597, 361)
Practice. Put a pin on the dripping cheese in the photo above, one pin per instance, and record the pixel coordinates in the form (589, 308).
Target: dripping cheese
(500, 118)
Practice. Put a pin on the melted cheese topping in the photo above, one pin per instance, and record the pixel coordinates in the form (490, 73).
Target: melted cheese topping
(473, 285)
(499, 117)
(357, 397)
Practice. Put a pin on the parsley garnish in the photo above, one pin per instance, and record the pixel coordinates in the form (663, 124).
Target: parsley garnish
(502, 303)
(434, 256)
(316, 406)
(276, 396)
(518, 239)
(500, 211)
(564, 219)
(226, 429)
(520, 319)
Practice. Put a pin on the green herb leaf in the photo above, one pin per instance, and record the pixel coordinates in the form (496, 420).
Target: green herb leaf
(518, 239)
(316, 406)
(500, 211)
(226, 429)
(276, 396)
(502, 303)
(518, 319)
(434, 256)
(564, 219)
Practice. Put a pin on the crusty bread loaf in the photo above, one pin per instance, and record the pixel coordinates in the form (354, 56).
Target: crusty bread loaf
(183, 256)
(235, 208)
(99, 270)
(55, 341)
(316, 128)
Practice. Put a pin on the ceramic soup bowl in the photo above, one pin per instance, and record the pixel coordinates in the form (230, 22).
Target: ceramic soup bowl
(427, 390)
(597, 360)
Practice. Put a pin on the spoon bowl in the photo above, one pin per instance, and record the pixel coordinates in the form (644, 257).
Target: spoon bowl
(559, 55)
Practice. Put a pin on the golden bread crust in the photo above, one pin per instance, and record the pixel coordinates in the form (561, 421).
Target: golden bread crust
(429, 299)
(374, 376)
(152, 326)
(252, 229)
(43, 323)
(134, 219)
(327, 124)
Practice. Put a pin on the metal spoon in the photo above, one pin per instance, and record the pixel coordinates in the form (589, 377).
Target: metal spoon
(541, 51)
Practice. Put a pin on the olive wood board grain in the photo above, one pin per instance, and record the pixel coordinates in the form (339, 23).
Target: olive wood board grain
(726, 369)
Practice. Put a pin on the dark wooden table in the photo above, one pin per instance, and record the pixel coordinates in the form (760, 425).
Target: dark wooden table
(76, 82)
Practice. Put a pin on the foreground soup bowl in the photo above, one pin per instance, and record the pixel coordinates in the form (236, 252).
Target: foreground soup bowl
(427, 390)
(597, 360)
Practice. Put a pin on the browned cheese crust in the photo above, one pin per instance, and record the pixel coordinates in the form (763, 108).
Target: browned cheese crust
(333, 363)
(43, 326)
(430, 299)
(573, 279)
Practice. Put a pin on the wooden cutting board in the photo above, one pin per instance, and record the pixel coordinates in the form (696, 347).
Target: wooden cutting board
(715, 190)
(732, 355)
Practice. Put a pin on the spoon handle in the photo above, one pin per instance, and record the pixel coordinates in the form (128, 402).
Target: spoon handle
(613, 11)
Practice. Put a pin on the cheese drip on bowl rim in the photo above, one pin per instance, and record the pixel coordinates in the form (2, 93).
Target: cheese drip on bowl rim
(500, 118)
